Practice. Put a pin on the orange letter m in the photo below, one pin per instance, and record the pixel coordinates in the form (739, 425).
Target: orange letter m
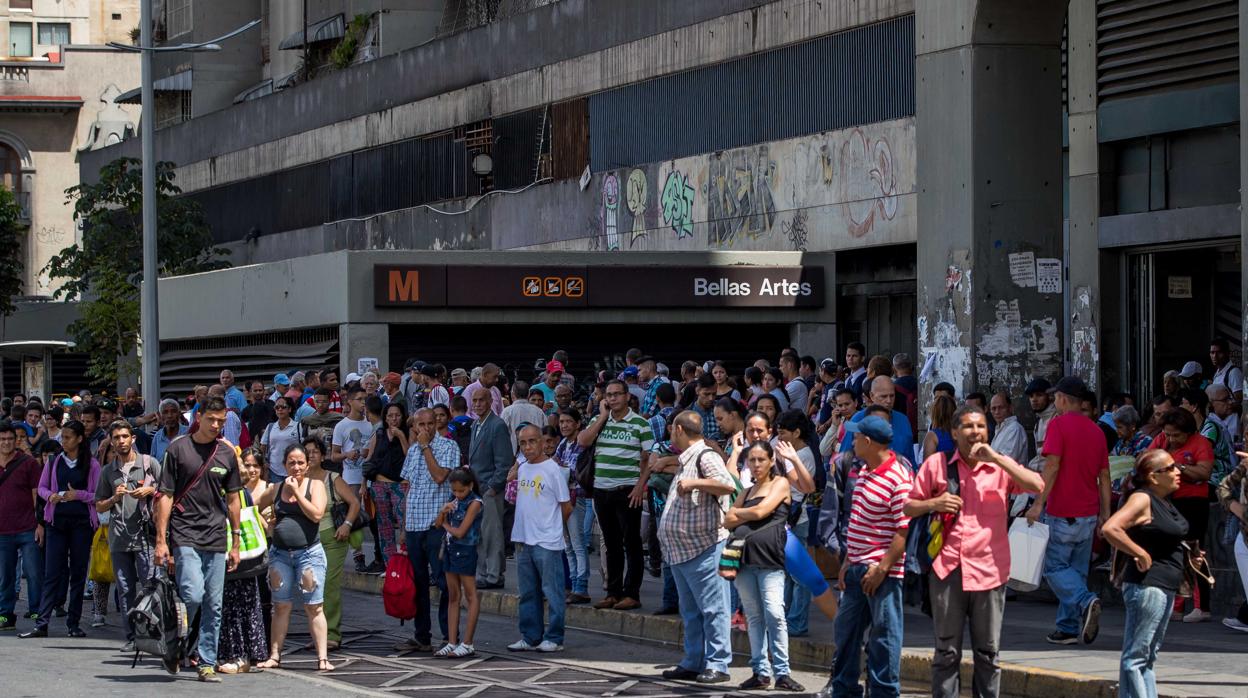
(404, 286)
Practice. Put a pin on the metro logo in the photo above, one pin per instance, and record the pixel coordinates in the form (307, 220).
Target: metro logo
(404, 286)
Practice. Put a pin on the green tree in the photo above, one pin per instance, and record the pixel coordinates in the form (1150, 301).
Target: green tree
(11, 263)
(105, 271)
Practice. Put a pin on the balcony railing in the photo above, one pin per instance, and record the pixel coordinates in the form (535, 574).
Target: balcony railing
(18, 73)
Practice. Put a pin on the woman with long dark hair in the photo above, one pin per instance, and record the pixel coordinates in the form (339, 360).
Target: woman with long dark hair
(68, 486)
(242, 642)
(386, 449)
(1150, 530)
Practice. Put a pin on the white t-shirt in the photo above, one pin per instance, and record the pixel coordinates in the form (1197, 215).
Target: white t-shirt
(1230, 376)
(539, 518)
(352, 435)
(278, 440)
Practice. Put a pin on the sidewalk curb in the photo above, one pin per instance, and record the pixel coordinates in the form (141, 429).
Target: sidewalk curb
(814, 655)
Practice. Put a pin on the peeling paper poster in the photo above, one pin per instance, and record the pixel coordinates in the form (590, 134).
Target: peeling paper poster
(1049, 275)
(1023, 269)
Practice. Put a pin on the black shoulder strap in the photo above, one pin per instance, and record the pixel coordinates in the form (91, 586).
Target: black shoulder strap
(199, 474)
(953, 482)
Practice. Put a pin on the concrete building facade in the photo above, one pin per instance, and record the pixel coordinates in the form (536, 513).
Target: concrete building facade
(1009, 191)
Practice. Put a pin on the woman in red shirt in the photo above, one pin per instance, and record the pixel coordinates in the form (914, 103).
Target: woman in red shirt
(1193, 454)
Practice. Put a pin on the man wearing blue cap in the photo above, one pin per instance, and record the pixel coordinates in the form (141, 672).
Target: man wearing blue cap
(281, 383)
(874, 568)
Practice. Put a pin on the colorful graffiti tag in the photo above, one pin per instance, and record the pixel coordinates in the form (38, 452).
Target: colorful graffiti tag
(678, 204)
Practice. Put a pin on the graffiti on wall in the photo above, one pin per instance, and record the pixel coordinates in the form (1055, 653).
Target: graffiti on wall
(635, 197)
(678, 204)
(740, 200)
(828, 191)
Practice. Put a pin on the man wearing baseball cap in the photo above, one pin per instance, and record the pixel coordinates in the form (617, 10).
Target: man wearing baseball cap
(281, 384)
(550, 380)
(1193, 375)
(871, 578)
(1074, 504)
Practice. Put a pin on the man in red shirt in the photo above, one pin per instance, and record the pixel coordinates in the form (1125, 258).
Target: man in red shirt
(968, 576)
(21, 529)
(874, 568)
(1074, 504)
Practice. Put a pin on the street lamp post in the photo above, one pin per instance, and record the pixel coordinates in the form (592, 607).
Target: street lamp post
(149, 325)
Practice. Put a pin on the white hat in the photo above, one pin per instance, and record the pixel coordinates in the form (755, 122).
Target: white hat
(1191, 368)
(352, 377)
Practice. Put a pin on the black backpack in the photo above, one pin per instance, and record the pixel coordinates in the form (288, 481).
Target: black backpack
(160, 623)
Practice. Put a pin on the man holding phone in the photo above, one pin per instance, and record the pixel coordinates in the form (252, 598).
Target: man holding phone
(127, 485)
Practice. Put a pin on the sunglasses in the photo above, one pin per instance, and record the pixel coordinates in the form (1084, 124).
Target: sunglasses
(1169, 468)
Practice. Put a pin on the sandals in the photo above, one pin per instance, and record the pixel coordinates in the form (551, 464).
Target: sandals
(270, 663)
(323, 665)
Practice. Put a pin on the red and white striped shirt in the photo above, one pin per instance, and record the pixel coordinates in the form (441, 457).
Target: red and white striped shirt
(876, 513)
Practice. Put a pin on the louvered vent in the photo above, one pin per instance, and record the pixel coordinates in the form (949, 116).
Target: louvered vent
(1149, 46)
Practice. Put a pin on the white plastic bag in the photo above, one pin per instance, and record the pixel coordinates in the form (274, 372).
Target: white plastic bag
(1028, 543)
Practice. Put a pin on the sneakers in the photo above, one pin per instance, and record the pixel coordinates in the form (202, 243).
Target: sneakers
(1197, 616)
(31, 615)
(548, 646)
(128, 648)
(360, 566)
(1234, 624)
(97, 621)
(1091, 622)
(412, 645)
(1058, 637)
(7, 623)
(520, 645)
(208, 675)
(377, 567)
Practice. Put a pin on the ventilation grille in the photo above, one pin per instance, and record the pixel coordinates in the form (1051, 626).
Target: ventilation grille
(1149, 46)
(185, 364)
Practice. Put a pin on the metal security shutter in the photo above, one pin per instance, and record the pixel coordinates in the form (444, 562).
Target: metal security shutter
(1148, 46)
(185, 364)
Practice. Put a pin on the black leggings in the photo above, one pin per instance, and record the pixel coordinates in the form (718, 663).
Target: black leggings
(1196, 511)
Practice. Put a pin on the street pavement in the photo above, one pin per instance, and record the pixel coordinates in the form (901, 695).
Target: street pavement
(593, 664)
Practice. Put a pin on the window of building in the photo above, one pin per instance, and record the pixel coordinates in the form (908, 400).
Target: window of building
(54, 33)
(21, 4)
(116, 15)
(178, 17)
(20, 44)
(11, 177)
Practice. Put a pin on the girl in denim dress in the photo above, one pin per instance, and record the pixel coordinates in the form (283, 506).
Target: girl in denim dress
(461, 519)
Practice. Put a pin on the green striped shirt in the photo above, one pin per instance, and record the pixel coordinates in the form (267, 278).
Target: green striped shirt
(617, 456)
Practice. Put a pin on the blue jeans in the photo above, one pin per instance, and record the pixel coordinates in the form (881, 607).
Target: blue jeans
(201, 581)
(797, 596)
(1066, 568)
(881, 615)
(66, 556)
(578, 544)
(671, 597)
(130, 569)
(541, 576)
(704, 610)
(1148, 613)
(422, 550)
(10, 546)
(762, 597)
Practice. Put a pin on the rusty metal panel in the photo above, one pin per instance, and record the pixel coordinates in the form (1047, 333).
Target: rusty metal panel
(859, 76)
(569, 133)
(1147, 46)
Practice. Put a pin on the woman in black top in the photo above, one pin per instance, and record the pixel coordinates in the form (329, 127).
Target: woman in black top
(759, 518)
(297, 560)
(1150, 530)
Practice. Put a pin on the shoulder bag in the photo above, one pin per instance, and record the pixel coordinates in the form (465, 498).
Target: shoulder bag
(253, 547)
(338, 509)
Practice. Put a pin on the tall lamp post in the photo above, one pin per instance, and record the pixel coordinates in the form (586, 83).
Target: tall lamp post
(149, 326)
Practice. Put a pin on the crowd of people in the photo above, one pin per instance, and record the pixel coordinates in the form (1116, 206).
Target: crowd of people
(728, 487)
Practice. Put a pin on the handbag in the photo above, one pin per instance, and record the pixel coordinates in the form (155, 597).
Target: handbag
(101, 558)
(253, 547)
(1195, 568)
(385, 461)
(1028, 544)
(338, 510)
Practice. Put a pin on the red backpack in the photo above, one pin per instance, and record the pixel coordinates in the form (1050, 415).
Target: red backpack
(398, 591)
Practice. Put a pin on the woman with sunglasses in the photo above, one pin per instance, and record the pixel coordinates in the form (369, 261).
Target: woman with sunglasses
(279, 437)
(1150, 531)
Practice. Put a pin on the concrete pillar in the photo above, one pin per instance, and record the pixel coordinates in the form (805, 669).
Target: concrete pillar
(363, 340)
(1243, 196)
(1084, 357)
(988, 112)
(818, 339)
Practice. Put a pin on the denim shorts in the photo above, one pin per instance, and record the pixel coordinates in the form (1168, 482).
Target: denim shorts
(460, 559)
(286, 572)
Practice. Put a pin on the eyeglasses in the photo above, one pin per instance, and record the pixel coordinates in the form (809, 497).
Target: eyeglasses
(281, 407)
(1169, 468)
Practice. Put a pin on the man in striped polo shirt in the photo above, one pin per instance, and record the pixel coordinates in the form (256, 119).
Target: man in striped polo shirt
(871, 577)
(621, 467)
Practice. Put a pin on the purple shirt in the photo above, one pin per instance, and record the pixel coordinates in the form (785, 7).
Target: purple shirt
(473, 388)
(17, 506)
